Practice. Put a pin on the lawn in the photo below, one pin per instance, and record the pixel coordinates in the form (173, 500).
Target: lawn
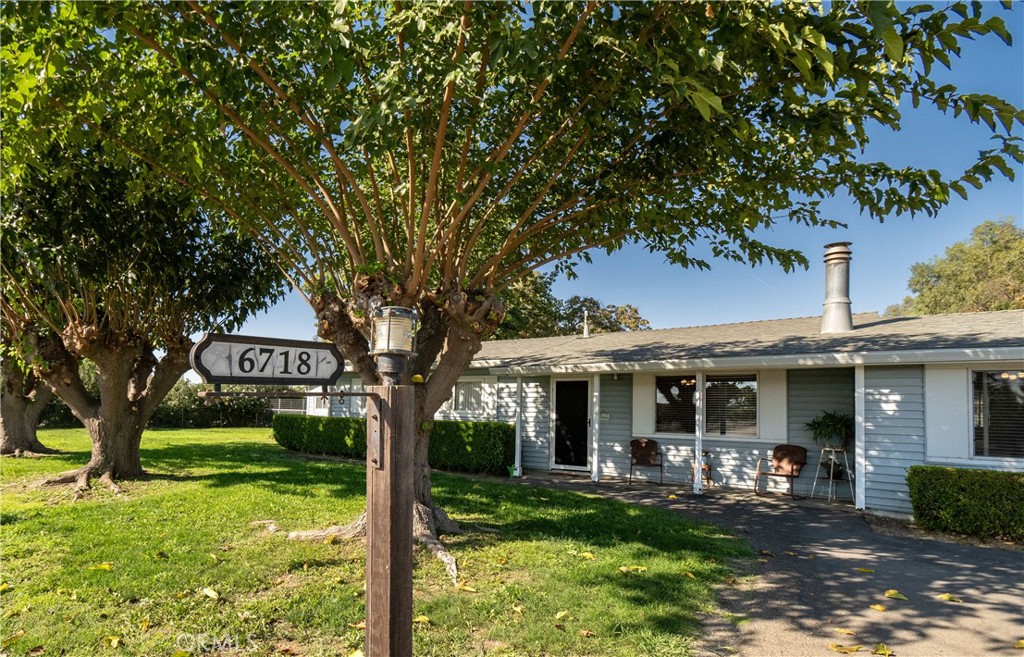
(175, 565)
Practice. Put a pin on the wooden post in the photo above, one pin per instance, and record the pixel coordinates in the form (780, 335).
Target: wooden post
(389, 475)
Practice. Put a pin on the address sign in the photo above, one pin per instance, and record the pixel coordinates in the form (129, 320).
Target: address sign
(268, 361)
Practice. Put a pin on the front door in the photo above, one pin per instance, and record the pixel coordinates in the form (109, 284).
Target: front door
(572, 425)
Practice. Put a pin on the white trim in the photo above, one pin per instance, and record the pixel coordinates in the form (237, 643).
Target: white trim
(517, 468)
(835, 359)
(551, 424)
(859, 438)
(595, 427)
(698, 440)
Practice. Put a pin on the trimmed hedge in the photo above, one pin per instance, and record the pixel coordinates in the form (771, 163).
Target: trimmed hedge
(475, 447)
(982, 503)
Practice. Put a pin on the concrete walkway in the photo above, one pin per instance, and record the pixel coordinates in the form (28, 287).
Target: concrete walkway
(806, 585)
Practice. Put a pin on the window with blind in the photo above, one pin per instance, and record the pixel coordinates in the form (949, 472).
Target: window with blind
(675, 411)
(999, 413)
(731, 405)
(468, 397)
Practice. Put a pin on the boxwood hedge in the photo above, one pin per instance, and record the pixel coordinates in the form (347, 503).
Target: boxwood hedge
(475, 447)
(982, 503)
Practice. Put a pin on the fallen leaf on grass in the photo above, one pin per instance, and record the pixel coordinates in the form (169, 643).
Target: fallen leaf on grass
(331, 540)
(895, 595)
(462, 586)
(877, 607)
(587, 555)
(882, 649)
(687, 573)
(111, 641)
(210, 593)
(106, 565)
(948, 597)
(587, 633)
(864, 570)
(845, 631)
(144, 625)
(35, 652)
(517, 608)
(361, 625)
(422, 620)
(560, 615)
(12, 638)
(632, 569)
(181, 653)
(846, 650)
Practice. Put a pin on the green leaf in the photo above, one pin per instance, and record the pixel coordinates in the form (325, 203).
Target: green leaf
(893, 44)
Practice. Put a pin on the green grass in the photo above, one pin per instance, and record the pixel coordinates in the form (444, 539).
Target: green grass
(187, 527)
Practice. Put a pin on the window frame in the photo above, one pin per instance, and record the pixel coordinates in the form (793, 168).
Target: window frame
(702, 377)
(488, 399)
(972, 411)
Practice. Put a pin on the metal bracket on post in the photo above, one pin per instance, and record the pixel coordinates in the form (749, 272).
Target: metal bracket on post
(374, 434)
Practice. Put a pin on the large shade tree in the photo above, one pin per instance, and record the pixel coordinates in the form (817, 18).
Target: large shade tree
(430, 155)
(984, 272)
(104, 261)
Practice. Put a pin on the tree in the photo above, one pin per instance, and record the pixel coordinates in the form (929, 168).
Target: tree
(533, 311)
(111, 265)
(22, 400)
(431, 155)
(985, 272)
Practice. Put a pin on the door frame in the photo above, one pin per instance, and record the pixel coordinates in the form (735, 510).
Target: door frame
(590, 425)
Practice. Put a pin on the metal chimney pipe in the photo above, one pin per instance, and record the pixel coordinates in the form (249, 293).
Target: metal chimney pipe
(836, 316)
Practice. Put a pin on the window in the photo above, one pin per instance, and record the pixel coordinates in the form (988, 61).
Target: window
(675, 411)
(731, 405)
(467, 398)
(999, 413)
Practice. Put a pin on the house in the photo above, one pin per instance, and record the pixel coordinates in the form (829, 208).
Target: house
(941, 389)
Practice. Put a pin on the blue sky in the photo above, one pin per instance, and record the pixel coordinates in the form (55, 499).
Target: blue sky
(669, 296)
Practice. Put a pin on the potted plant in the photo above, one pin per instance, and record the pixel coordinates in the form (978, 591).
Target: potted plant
(832, 429)
(833, 468)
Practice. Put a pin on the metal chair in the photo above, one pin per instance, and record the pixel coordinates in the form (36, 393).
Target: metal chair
(644, 452)
(786, 461)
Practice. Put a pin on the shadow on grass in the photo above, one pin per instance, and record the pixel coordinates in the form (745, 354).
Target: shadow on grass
(266, 466)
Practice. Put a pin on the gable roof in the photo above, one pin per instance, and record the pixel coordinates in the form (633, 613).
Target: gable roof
(797, 341)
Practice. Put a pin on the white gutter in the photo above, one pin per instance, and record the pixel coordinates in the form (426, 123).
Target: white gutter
(517, 468)
(698, 443)
(859, 438)
(837, 359)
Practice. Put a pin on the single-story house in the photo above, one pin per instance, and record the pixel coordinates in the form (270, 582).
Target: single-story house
(941, 389)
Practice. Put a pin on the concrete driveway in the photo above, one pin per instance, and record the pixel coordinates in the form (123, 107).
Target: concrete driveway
(805, 585)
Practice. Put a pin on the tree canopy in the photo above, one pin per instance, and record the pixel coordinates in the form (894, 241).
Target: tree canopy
(430, 155)
(984, 272)
(533, 311)
(107, 262)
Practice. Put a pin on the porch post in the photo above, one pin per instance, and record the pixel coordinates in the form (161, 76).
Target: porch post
(698, 443)
(859, 456)
(518, 465)
(595, 433)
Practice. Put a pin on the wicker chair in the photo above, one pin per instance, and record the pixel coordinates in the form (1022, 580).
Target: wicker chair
(644, 453)
(786, 461)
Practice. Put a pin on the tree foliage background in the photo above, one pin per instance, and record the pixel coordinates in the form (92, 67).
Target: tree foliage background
(984, 272)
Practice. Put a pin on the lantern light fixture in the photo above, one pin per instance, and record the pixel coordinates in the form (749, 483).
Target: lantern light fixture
(394, 331)
(393, 341)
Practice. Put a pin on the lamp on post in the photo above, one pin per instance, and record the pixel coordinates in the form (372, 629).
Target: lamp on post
(390, 437)
(393, 340)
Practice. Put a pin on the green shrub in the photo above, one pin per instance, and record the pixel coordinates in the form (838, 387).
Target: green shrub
(982, 503)
(476, 447)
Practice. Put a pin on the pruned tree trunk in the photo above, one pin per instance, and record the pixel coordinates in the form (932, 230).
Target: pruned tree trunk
(450, 334)
(21, 404)
(132, 384)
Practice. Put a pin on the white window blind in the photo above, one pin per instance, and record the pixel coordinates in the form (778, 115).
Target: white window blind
(674, 410)
(999, 413)
(731, 405)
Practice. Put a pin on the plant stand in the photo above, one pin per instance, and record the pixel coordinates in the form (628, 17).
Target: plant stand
(832, 451)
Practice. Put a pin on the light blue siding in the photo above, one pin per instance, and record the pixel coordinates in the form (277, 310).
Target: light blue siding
(808, 394)
(893, 434)
(616, 427)
(536, 411)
